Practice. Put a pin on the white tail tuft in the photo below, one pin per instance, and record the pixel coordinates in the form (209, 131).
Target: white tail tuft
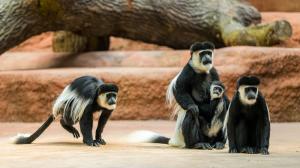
(19, 137)
(142, 136)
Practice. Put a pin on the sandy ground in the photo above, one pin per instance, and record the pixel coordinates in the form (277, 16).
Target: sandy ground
(56, 148)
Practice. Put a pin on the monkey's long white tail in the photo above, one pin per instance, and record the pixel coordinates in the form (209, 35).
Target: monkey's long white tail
(27, 139)
(144, 136)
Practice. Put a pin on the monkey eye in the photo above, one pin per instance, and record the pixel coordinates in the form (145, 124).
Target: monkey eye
(253, 89)
(109, 95)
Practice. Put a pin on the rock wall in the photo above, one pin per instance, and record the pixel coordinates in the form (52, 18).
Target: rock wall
(28, 95)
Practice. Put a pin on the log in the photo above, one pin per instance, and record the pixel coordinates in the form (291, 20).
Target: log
(64, 41)
(173, 23)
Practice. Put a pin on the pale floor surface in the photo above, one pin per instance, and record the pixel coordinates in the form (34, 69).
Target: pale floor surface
(56, 148)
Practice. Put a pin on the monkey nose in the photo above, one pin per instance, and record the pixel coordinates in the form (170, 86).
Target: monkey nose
(206, 60)
(111, 101)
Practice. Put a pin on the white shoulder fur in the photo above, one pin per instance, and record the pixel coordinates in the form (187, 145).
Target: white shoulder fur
(70, 99)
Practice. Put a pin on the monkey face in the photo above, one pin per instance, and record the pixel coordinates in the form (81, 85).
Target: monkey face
(202, 60)
(202, 56)
(216, 91)
(248, 94)
(107, 96)
(108, 100)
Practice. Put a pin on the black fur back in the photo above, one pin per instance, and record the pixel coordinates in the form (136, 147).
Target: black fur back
(86, 86)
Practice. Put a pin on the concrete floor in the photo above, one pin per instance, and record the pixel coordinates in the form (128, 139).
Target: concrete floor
(57, 148)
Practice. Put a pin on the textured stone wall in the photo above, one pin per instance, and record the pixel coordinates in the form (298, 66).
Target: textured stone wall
(27, 95)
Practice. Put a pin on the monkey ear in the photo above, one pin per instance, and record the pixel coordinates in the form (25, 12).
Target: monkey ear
(208, 45)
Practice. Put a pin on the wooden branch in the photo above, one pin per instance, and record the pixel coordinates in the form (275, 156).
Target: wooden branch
(173, 23)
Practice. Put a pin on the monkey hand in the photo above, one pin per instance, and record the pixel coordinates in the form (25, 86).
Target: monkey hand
(264, 151)
(194, 110)
(100, 141)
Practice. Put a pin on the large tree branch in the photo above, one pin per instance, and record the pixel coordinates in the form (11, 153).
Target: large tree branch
(174, 23)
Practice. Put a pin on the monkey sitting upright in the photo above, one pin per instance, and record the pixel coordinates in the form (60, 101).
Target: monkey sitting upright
(189, 94)
(219, 105)
(212, 130)
(248, 122)
(77, 103)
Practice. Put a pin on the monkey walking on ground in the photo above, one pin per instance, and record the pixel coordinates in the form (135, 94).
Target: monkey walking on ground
(77, 103)
(248, 122)
(189, 93)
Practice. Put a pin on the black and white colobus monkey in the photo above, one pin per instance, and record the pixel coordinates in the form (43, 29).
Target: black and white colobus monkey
(77, 103)
(248, 122)
(189, 94)
(219, 105)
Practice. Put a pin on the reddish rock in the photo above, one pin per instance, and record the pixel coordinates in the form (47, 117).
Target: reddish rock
(28, 95)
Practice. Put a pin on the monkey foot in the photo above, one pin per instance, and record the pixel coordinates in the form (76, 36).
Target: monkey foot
(219, 145)
(91, 143)
(100, 141)
(248, 150)
(233, 150)
(264, 151)
(75, 133)
(204, 146)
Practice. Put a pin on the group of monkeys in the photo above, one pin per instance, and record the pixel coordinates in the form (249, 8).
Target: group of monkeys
(205, 116)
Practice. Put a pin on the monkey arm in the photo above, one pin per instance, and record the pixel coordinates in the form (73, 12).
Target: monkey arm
(101, 123)
(182, 96)
(214, 74)
(231, 124)
(265, 137)
(86, 126)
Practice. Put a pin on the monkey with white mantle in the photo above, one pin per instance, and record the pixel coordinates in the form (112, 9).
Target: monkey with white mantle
(189, 95)
(77, 103)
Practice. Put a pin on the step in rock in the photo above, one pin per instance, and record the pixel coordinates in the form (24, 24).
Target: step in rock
(27, 95)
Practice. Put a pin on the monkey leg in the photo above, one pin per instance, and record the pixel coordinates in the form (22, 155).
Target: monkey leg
(193, 135)
(70, 128)
(101, 124)
(86, 126)
(256, 135)
(219, 141)
(242, 138)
